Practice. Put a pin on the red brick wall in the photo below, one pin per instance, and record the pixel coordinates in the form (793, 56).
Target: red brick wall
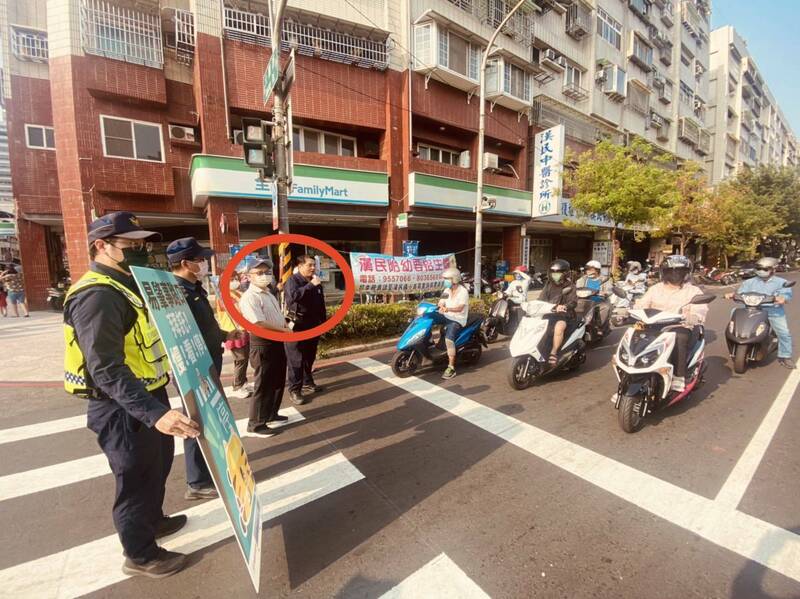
(209, 96)
(431, 167)
(512, 246)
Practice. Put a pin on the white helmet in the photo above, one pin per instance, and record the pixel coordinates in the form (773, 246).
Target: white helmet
(453, 274)
(594, 264)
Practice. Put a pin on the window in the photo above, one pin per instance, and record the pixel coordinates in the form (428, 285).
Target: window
(29, 44)
(422, 44)
(516, 81)
(641, 52)
(572, 76)
(121, 33)
(638, 98)
(323, 142)
(686, 56)
(136, 140)
(458, 55)
(428, 152)
(609, 28)
(686, 95)
(40, 137)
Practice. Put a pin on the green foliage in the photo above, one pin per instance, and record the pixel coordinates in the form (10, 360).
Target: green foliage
(691, 192)
(777, 188)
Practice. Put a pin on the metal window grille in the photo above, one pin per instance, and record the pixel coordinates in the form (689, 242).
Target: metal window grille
(29, 44)
(463, 4)
(247, 26)
(121, 33)
(184, 36)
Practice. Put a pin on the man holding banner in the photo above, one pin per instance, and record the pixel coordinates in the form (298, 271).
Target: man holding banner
(114, 358)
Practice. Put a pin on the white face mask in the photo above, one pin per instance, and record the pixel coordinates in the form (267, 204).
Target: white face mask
(203, 269)
(261, 281)
(234, 285)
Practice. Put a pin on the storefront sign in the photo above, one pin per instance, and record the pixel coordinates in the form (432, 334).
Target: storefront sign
(201, 390)
(218, 176)
(601, 251)
(7, 228)
(402, 220)
(568, 214)
(410, 248)
(430, 191)
(379, 273)
(548, 163)
(526, 251)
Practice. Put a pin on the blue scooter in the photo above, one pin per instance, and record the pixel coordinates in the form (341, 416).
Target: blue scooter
(416, 344)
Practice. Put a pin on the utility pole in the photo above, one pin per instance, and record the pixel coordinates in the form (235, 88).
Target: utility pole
(481, 131)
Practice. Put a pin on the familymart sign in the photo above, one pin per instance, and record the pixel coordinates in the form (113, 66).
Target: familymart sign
(219, 176)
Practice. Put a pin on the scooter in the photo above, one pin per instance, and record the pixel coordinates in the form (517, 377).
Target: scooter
(643, 364)
(416, 344)
(506, 311)
(589, 303)
(56, 295)
(530, 345)
(749, 336)
(623, 304)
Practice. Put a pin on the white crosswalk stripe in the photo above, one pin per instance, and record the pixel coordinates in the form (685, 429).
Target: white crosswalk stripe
(96, 565)
(27, 482)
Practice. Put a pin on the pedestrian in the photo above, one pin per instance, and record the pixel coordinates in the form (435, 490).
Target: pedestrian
(239, 347)
(268, 358)
(114, 358)
(12, 279)
(305, 306)
(188, 261)
(3, 303)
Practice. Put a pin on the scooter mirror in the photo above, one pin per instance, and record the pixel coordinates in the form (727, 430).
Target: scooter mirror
(790, 283)
(703, 298)
(619, 292)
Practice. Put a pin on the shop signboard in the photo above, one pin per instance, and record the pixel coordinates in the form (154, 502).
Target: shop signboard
(410, 248)
(431, 191)
(201, 391)
(601, 251)
(402, 220)
(548, 162)
(526, 251)
(380, 273)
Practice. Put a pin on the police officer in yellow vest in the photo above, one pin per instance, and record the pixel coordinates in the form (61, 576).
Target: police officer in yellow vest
(115, 359)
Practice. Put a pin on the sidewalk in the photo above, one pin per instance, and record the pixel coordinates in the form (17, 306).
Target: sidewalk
(33, 348)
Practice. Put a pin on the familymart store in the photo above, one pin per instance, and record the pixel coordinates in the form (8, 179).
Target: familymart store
(342, 207)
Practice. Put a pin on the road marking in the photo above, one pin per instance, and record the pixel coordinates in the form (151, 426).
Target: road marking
(52, 427)
(97, 564)
(754, 539)
(24, 483)
(440, 578)
(739, 479)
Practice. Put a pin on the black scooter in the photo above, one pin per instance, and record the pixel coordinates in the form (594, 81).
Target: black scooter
(749, 336)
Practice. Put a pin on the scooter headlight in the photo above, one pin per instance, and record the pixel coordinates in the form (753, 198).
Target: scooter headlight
(624, 356)
(421, 311)
(649, 357)
(761, 328)
(752, 299)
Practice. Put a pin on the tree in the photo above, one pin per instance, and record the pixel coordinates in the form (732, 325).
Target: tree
(630, 185)
(691, 193)
(776, 187)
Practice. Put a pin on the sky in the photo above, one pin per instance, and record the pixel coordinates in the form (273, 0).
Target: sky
(771, 30)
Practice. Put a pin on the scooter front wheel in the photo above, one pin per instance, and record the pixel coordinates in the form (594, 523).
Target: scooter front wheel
(629, 417)
(520, 376)
(491, 330)
(405, 363)
(740, 359)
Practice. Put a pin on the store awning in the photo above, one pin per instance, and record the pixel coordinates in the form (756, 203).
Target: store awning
(431, 191)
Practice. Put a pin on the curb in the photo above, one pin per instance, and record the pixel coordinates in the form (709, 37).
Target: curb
(354, 349)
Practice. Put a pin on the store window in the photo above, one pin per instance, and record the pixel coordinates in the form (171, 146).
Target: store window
(40, 137)
(135, 140)
(323, 142)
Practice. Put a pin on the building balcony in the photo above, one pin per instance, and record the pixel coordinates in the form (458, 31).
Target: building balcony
(579, 21)
(491, 13)
(575, 91)
(508, 85)
(446, 55)
(121, 33)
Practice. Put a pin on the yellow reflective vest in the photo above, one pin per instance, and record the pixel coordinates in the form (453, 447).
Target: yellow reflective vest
(144, 353)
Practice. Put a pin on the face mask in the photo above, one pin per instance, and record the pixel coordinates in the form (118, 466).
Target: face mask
(235, 285)
(132, 257)
(260, 281)
(448, 284)
(556, 276)
(763, 274)
(202, 269)
(591, 275)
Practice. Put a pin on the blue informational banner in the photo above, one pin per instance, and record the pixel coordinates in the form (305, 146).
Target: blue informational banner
(205, 402)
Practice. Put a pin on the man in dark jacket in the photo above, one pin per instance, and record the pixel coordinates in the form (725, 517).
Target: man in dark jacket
(305, 304)
(553, 292)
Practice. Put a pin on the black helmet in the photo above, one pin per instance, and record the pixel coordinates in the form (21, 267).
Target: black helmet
(765, 267)
(559, 271)
(676, 269)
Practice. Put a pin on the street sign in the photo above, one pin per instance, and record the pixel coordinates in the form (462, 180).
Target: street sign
(271, 75)
(275, 221)
(288, 75)
(402, 220)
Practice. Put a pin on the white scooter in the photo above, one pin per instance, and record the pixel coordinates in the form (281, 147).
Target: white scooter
(622, 305)
(644, 368)
(531, 343)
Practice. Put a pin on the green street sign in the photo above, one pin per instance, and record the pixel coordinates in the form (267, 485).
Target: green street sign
(271, 75)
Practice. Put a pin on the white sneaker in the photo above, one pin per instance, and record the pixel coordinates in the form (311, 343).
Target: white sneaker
(240, 393)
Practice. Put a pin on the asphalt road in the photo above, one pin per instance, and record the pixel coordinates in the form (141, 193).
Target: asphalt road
(428, 488)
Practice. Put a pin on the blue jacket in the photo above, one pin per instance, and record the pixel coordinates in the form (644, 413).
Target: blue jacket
(771, 286)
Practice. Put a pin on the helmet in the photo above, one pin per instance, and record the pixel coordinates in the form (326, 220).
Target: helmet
(521, 268)
(766, 266)
(676, 269)
(595, 264)
(560, 265)
(634, 267)
(453, 274)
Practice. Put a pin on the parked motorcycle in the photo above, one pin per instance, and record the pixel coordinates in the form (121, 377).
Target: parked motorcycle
(56, 295)
(643, 364)
(749, 336)
(589, 304)
(506, 311)
(530, 346)
(417, 346)
(716, 276)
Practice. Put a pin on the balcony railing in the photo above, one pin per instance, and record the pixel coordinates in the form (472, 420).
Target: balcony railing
(575, 91)
(121, 33)
(579, 21)
(29, 44)
(492, 13)
(309, 40)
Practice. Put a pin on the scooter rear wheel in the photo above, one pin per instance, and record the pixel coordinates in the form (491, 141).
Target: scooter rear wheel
(740, 359)
(629, 419)
(405, 363)
(491, 330)
(520, 376)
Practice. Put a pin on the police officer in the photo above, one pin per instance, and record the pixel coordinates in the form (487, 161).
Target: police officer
(115, 359)
(305, 303)
(187, 259)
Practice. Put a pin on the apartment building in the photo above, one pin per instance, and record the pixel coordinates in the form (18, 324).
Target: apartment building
(748, 127)
(9, 245)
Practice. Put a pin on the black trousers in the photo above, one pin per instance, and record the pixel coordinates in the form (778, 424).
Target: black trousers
(269, 378)
(684, 337)
(140, 459)
(301, 356)
(240, 358)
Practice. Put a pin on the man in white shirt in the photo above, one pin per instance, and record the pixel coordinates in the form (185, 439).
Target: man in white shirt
(454, 305)
(267, 358)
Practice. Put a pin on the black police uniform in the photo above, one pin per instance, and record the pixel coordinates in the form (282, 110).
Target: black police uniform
(307, 301)
(197, 474)
(123, 413)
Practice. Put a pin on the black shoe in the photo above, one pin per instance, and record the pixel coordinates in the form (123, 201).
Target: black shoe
(170, 525)
(166, 563)
(207, 492)
(297, 398)
(262, 430)
(787, 363)
(309, 389)
(279, 418)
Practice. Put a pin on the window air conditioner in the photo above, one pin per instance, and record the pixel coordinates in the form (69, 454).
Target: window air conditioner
(490, 160)
(181, 133)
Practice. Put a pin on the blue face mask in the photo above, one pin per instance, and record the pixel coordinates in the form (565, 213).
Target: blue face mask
(448, 284)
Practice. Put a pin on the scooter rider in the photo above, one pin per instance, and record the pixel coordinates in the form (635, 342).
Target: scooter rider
(454, 305)
(767, 283)
(673, 294)
(517, 289)
(592, 280)
(635, 276)
(553, 293)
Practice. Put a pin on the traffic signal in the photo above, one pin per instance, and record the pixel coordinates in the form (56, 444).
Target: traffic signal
(258, 147)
